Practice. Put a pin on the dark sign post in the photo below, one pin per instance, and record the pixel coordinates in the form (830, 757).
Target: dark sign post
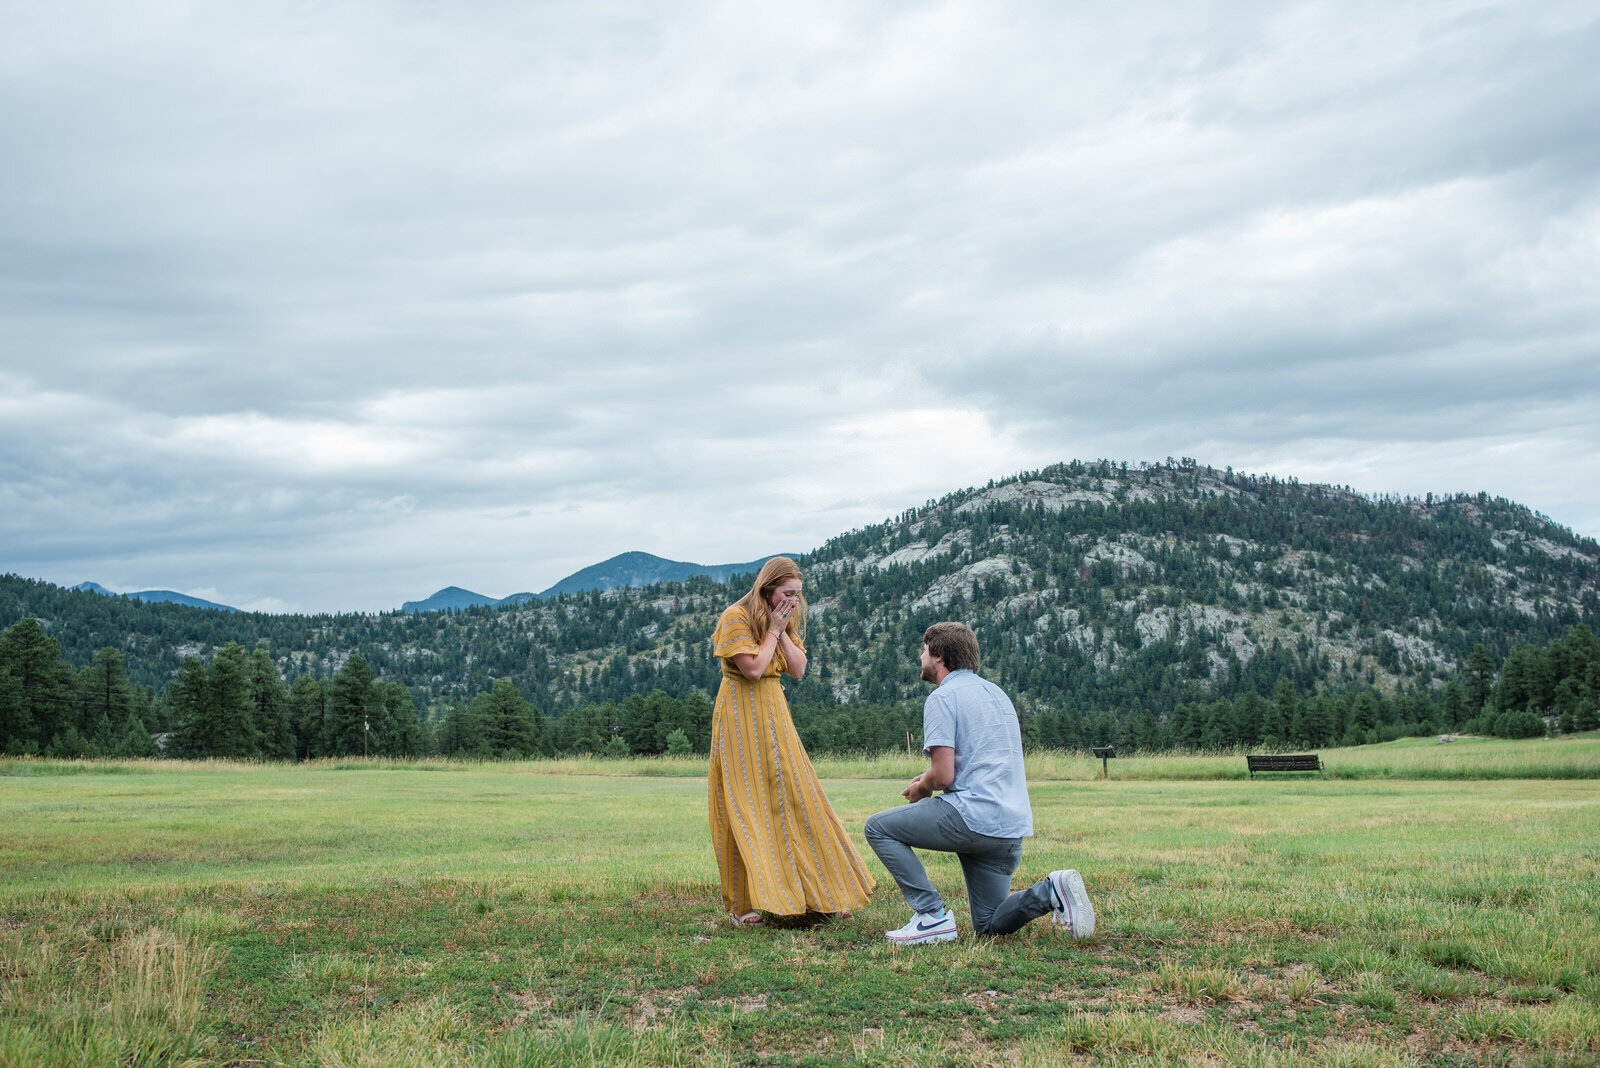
(1105, 753)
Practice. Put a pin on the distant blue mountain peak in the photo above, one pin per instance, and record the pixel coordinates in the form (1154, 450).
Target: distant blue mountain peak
(630, 569)
(451, 597)
(156, 597)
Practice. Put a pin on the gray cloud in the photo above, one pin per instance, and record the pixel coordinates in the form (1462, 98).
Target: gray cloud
(327, 307)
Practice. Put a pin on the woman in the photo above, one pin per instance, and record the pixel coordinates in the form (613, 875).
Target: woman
(780, 848)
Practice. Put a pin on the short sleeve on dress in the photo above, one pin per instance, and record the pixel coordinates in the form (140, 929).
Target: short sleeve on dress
(734, 634)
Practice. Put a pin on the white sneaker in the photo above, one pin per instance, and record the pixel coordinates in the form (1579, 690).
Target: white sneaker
(1071, 903)
(925, 927)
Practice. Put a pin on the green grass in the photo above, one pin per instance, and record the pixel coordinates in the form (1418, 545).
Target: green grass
(1575, 756)
(1570, 757)
(546, 913)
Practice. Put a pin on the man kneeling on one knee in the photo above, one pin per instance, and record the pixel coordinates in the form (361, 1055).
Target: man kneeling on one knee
(974, 746)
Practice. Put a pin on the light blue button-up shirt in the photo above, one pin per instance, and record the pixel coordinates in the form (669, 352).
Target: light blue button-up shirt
(974, 717)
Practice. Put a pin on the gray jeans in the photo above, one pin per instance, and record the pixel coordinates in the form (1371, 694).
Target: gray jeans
(987, 864)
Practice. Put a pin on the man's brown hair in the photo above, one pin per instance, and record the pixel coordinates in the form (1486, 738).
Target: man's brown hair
(953, 643)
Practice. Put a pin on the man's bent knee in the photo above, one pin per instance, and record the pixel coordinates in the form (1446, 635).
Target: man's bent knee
(874, 827)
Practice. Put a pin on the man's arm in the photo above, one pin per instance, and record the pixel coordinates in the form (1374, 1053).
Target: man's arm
(940, 774)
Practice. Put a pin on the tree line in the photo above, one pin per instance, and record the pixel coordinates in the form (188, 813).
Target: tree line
(1535, 692)
(238, 705)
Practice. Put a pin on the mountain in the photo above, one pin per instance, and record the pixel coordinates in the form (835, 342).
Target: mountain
(638, 569)
(1102, 586)
(156, 597)
(451, 597)
(632, 569)
(1092, 586)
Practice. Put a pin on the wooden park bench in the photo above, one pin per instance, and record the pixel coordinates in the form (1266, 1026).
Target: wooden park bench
(1282, 762)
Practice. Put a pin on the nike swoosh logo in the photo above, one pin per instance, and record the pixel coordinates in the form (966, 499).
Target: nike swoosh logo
(930, 926)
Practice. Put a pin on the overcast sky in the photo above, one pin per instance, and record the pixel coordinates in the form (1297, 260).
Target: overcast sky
(325, 306)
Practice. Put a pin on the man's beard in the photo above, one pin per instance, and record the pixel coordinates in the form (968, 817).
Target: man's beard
(928, 675)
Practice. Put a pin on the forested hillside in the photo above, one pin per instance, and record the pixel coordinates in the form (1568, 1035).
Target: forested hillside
(1099, 586)
(1097, 590)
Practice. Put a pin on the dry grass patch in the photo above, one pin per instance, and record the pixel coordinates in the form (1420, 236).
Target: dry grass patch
(1570, 1026)
(133, 996)
(1301, 985)
(1198, 986)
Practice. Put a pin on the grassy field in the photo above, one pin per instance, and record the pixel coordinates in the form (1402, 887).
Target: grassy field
(555, 913)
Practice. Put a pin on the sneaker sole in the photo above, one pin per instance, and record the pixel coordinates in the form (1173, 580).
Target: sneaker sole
(923, 940)
(1078, 916)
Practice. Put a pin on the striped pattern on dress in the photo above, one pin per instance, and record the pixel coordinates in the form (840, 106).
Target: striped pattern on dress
(780, 847)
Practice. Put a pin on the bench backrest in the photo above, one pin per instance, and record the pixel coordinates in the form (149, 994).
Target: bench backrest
(1280, 762)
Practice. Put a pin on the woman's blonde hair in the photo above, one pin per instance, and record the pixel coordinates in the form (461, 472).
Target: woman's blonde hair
(774, 572)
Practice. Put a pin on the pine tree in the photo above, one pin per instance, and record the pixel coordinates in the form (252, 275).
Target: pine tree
(402, 734)
(697, 710)
(1144, 734)
(1586, 714)
(1217, 732)
(1480, 673)
(1453, 709)
(307, 709)
(193, 732)
(269, 704)
(350, 696)
(1362, 725)
(1519, 723)
(1274, 721)
(636, 724)
(509, 723)
(136, 741)
(36, 689)
(1250, 714)
(1515, 689)
(459, 733)
(103, 690)
(232, 717)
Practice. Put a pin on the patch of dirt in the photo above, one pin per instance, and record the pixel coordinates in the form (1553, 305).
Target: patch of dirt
(645, 1010)
(753, 1003)
(529, 1003)
(1238, 930)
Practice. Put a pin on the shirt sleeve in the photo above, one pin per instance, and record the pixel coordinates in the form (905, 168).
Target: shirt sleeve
(938, 726)
(734, 634)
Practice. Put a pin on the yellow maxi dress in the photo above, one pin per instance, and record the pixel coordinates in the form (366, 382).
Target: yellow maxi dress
(780, 847)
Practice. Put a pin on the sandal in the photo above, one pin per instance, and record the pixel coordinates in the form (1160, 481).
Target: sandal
(749, 919)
